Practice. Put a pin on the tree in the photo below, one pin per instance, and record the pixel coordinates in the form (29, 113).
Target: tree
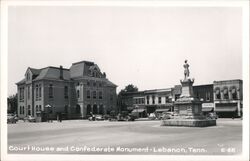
(121, 95)
(131, 88)
(12, 103)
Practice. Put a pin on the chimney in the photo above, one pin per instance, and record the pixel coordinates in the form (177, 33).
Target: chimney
(61, 72)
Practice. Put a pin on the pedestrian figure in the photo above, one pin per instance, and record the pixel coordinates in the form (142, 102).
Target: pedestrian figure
(60, 117)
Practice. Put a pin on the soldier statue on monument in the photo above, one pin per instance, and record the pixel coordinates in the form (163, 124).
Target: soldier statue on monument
(186, 70)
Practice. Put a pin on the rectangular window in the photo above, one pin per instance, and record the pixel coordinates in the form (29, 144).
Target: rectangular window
(111, 97)
(208, 96)
(153, 101)
(28, 92)
(40, 91)
(50, 91)
(94, 94)
(88, 94)
(36, 92)
(159, 100)
(66, 92)
(147, 99)
(100, 94)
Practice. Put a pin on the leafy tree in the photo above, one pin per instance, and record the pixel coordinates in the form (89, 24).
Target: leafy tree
(12, 103)
(129, 88)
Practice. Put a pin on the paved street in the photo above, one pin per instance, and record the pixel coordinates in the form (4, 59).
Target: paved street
(139, 137)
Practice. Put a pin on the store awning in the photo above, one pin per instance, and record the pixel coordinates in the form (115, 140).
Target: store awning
(162, 110)
(207, 109)
(138, 110)
(225, 109)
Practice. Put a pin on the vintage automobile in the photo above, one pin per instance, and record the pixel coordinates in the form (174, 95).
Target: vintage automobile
(152, 116)
(29, 119)
(167, 115)
(96, 118)
(212, 115)
(12, 118)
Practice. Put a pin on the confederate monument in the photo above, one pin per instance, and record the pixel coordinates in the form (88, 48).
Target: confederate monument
(188, 109)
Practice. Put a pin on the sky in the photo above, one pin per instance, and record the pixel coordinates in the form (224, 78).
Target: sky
(144, 46)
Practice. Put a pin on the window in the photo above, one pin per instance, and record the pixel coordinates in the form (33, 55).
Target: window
(208, 96)
(21, 110)
(37, 109)
(94, 84)
(21, 94)
(153, 99)
(100, 84)
(217, 93)
(88, 83)
(66, 92)
(234, 94)
(50, 91)
(166, 99)
(142, 100)
(29, 110)
(28, 92)
(40, 108)
(40, 91)
(88, 94)
(78, 93)
(159, 100)
(111, 97)
(225, 92)
(37, 92)
(100, 94)
(94, 94)
(147, 99)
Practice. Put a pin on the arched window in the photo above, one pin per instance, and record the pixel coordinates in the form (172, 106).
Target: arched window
(217, 94)
(78, 93)
(234, 94)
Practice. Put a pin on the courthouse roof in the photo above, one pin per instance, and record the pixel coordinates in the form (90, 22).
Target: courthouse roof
(21, 82)
(53, 73)
(110, 83)
(80, 69)
(35, 71)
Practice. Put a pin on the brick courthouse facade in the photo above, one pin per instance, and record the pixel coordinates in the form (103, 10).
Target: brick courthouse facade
(74, 92)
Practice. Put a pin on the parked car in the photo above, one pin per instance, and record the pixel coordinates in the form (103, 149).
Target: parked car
(167, 115)
(99, 118)
(29, 119)
(131, 117)
(12, 118)
(152, 116)
(212, 116)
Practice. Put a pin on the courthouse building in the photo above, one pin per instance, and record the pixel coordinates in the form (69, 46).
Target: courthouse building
(75, 92)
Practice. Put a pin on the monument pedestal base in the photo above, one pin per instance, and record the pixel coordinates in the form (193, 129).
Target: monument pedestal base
(188, 122)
